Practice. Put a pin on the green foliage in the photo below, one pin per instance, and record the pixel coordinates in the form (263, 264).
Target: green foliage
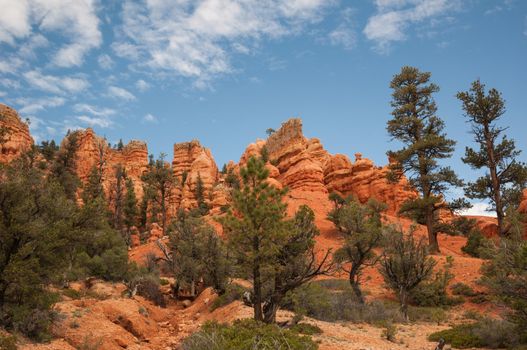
(147, 286)
(159, 182)
(130, 205)
(404, 265)
(362, 230)
(7, 342)
(231, 179)
(488, 333)
(276, 253)
(389, 332)
(48, 149)
(506, 176)
(506, 277)
(232, 292)
(306, 328)
(63, 166)
(476, 243)
(247, 334)
(197, 253)
(434, 291)
(463, 289)
(416, 125)
(264, 154)
(199, 192)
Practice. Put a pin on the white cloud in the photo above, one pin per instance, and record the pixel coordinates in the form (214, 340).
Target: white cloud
(142, 85)
(93, 110)
(75, 20)
(55, 84)
(150, 118)
(105, 61)
(30, 106)
(478, 209)
(393, 18)
(343, 36)
(120, 93)
(95, 121)
(195, 38)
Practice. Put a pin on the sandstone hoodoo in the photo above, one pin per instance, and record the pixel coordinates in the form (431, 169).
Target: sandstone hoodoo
(95, 151)
(17, 139)
(193, 163)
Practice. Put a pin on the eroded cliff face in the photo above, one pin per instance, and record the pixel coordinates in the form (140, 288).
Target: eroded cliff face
(17, 139)
(192, 162)
(95, 151)
(523, 208)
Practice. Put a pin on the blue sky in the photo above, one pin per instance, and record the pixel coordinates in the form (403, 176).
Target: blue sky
(223, 71)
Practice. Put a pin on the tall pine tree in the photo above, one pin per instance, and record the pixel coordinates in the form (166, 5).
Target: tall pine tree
(505, 176)
(421, 132)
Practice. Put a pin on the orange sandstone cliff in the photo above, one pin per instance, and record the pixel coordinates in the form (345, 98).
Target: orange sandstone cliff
(17, 139)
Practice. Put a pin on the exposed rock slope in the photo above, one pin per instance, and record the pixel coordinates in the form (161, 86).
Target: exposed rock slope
(17, 139)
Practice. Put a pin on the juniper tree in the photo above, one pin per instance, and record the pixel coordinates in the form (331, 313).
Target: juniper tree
(416, 125)
(63, 166)
(361, 228)
(199, 192)
(505, 176)
(404, 265)
(159, 183)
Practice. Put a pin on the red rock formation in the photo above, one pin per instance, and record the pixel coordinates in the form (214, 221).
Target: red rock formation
(523, 207)
(93, 149)
(193, 161)
(17, 139)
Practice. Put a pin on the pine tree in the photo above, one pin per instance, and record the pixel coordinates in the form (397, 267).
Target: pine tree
(130, 205)
(362, 230)
(404, 265)
(93, 189)
(159, 183)
(276, 253)
(506, 176)
(416, 125)
(117, 198)
(199, 192)
(63, 167)
(120, 145)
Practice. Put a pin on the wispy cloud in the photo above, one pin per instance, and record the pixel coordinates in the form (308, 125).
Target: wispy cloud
(55, 84)
(195, 41)
(76, 21)
(142, 85)
(149, 118)
(105, 61)
(393, 18)
(30, 106)
(93, 110)
(120, 93)
(344, 35)
(95, 121)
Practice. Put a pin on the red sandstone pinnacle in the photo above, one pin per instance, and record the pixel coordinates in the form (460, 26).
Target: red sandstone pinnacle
(17, 138)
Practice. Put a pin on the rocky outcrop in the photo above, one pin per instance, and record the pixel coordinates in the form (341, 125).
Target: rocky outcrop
(523, 208)
(192, 162)
(94, 151)
(15, 138)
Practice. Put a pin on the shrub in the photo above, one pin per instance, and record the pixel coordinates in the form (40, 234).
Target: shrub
(461, 288)
(72, 293)
(427, 314)
(390, 331)
(147, 286)
(306, 328)
(247, 334)
(233, 292)
(487, 333)
(7, 342)
(433, 293)
(475, 245)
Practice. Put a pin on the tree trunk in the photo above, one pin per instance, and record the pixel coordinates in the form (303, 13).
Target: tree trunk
(355, 284)
(403, 299)
(496, 185)
(270, 310)
(257, 285)
(432, 234)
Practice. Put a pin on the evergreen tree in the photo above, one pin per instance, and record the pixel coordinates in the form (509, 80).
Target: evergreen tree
(93, 188)
(416, 125)
(63, 167)
(276, 253)
(159, 183)
(404, 265)
(48, 149)
(120, 145)
(117, 199)
(506, 176)
(506, 273)
(362, 230)
(196, 254)
(130, 205)
(199, 192)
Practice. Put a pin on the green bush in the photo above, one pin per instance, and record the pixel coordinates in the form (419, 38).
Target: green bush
(461, 288)
(306, 328)
(7, 342)
(489, 333)
(72, 293)
(247, 334)
(232, 292)
(475, 245)
(433, 293)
